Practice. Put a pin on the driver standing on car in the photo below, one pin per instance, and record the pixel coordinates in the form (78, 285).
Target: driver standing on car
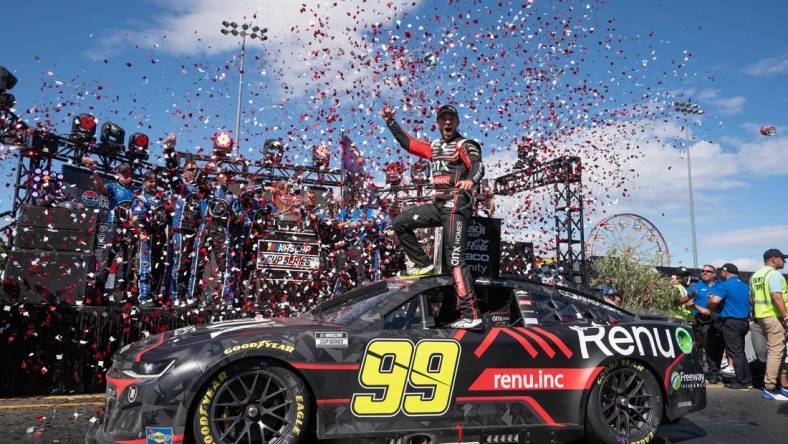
(456, 170)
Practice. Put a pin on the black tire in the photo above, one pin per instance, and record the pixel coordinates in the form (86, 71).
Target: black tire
(625, 405)
(253, 402)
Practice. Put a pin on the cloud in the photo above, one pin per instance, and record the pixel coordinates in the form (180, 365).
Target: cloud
(742, 263)
(724, 105)
(302, 36)
(770, 66)
(766, 237)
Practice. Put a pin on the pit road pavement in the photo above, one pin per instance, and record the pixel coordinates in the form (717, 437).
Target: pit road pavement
(730, 417)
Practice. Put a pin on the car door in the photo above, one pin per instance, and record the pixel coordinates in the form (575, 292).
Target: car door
(408, 371)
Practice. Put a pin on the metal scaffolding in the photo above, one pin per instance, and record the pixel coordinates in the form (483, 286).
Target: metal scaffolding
(564, 173)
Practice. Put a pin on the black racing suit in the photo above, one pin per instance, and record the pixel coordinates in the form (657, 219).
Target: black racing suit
(452, 161)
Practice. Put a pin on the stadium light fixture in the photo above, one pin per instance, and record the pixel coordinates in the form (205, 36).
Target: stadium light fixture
(83, 128)
(255, 33)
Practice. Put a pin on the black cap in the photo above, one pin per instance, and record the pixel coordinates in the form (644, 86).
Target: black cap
(730, 268)
(123, 168)
(448, 109)
(773, 252)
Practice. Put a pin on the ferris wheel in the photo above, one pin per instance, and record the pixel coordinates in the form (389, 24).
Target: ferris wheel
(628, 235)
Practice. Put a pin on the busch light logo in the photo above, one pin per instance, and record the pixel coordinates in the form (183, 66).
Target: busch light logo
(477, 230)
(90, 198)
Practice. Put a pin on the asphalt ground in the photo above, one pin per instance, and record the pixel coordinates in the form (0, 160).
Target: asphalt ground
(730, 417)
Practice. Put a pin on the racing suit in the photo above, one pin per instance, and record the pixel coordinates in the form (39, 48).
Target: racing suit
(153, 218)
(185, 217)
(213, 240)
(118, 272)
(452, 161)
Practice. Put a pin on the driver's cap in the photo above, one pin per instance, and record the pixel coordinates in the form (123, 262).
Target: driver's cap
(448, 109)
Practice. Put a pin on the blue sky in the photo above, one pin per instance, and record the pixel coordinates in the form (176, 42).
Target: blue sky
(162, 66)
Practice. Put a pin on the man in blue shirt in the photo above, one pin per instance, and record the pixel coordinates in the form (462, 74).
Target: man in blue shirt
(152, 218)
(116, 274)
(357, 223)
(709, 338)
(734, 321)
(218, 210)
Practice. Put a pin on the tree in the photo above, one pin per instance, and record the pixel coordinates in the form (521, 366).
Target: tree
(641, 287)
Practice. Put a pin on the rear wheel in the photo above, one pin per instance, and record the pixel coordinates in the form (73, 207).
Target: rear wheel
(625, 404)
(253, 403)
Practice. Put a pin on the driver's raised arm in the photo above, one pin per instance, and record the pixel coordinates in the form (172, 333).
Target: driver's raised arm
(420, 148)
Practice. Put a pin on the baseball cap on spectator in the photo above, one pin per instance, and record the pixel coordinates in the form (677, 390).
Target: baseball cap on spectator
(123, 168)
(773, 252)
(730, 268)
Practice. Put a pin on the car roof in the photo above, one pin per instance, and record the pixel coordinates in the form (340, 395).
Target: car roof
(404, 288)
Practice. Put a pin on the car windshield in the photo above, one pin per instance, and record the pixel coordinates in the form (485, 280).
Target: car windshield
(347, 311)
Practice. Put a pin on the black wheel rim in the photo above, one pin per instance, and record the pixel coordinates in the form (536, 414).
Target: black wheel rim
(252, 407)
(626, 403)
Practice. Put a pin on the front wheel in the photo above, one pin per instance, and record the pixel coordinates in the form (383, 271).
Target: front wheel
(625, 405)
(253, 403)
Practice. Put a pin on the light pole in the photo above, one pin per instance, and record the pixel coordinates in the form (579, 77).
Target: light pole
(687, 108)
(253, 32)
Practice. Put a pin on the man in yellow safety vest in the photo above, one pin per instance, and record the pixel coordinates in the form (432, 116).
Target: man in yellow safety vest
(768, 290)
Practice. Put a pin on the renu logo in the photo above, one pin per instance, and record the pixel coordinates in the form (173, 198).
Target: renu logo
(627, 341)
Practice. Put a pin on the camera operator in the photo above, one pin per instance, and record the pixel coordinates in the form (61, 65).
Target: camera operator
(121, 246)
(218, 210)
(152, 217)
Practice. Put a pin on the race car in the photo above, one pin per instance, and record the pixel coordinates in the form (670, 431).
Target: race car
(550, 365)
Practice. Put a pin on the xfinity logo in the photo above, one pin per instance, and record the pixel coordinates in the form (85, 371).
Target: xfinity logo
(627, 341)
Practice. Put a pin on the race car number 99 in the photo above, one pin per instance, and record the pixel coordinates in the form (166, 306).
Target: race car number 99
(391, 365)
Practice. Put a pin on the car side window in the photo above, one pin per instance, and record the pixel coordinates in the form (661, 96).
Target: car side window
(406, 316)
(565, 307)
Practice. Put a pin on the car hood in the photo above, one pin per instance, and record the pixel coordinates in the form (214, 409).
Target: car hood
(183, 337)
(246, 327)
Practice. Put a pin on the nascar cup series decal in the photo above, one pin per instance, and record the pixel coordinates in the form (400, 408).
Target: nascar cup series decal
(331, 339)
(392, 365)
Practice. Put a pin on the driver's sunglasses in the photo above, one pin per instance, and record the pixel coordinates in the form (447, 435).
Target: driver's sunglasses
(708, 271)
(191, 169)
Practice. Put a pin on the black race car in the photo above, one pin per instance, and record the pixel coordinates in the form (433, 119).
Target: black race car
(550, 365)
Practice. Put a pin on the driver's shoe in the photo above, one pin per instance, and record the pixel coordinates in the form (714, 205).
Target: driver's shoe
(467, 324)
(423, 271)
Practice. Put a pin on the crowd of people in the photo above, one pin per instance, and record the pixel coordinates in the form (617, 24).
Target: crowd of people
(166, 234)
(731, 316)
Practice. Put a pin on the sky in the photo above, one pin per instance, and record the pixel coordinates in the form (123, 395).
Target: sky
(593, 79)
